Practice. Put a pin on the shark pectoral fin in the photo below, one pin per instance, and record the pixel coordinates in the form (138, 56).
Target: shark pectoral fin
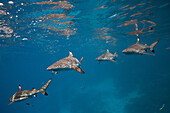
(147, 53)
(11, 103)
(81, 59)
(77, 69)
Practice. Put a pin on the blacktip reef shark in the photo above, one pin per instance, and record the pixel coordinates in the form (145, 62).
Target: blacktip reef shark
(107, 56)
(66, 64)
(24, 94)
(140, 48)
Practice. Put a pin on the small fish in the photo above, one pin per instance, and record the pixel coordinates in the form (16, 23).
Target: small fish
(66, 64)
(24, 94)
(107, 56)
(29, 104)
(162, 106)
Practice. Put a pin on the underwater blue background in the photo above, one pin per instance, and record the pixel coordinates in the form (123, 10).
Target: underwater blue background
(34, 34)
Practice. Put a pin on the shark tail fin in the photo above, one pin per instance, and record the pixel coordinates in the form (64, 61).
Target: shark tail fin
(43, 89)
(153, 45)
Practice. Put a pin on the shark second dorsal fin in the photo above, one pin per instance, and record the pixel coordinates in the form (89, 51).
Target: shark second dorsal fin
(33, 89)
(137, 40)
(107, 50)
(71, 54)
(19, 87)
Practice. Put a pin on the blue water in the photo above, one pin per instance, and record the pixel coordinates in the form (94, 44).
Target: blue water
(35, 34)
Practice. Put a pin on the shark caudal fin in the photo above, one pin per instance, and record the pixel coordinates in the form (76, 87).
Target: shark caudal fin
(153, 45)
(43, 89)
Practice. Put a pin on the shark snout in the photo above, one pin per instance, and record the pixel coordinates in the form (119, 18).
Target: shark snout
(124, 51)
(48, 68)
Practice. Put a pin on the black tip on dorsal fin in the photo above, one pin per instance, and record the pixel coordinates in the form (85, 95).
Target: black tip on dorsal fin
(70, 53)
(19, 87)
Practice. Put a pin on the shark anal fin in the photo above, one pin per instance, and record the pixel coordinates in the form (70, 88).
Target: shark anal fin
(77, 69)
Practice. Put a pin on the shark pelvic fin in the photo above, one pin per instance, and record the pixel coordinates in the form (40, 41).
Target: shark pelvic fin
(20, 88)
(71, 54)
(77, 69)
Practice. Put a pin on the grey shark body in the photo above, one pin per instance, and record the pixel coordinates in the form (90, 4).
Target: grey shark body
(24, 94)
(140, 48)
(107, 56)
(66, 64)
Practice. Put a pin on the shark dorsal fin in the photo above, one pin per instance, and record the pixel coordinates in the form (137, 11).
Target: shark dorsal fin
(19, 87)
(137, 40)
(107, 50)
(71, 54)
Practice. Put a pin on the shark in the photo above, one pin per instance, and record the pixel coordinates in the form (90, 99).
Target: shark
(65, 64)
(107, 56)
(140, 49)
(24, 94)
